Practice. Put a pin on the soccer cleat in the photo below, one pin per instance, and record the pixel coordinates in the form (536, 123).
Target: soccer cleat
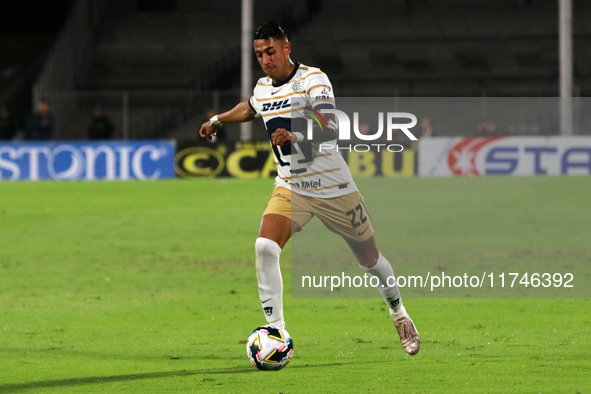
(409, 336)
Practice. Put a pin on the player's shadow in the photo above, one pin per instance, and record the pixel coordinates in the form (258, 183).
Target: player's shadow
(43, 384)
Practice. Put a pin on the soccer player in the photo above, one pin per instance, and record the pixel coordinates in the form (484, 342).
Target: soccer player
(323, 186)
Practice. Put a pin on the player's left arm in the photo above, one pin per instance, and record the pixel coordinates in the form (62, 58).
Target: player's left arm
(281, 137)
(318, 89)
(321, 96)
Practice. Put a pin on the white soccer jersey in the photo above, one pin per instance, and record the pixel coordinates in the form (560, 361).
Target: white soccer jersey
(302, 167)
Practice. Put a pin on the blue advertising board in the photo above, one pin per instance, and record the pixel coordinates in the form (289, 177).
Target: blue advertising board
(100, 160)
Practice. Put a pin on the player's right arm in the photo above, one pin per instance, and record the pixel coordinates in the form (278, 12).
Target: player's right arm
(240, 113)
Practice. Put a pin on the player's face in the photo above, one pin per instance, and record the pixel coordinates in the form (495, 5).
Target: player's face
(273, 56)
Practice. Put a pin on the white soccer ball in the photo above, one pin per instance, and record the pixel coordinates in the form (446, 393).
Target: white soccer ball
(269, 348)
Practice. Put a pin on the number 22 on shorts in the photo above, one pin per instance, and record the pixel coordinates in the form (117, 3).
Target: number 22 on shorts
(353, 213)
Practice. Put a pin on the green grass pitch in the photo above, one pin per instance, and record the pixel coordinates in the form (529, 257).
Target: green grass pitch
(149, 287)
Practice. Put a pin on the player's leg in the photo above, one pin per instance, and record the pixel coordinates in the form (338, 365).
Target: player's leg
(347, 216)
(274, 233)
(275, 230)
(373, 262)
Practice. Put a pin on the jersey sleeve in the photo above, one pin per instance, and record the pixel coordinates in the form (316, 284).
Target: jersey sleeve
(319, 91)
(252, 103)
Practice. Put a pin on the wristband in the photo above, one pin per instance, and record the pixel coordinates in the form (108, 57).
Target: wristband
(299, 136)
(215, 122)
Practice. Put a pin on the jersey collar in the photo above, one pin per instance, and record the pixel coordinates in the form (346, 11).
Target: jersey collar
(290, 76)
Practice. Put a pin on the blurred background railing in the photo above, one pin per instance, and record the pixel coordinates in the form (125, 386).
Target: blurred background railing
(143, 114)
(70, 55)
(179, 113)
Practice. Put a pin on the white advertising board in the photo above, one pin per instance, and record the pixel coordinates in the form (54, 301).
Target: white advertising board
(479, 156)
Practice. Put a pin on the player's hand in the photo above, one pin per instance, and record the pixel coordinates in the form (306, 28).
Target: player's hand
(281, 137)
(208, 130)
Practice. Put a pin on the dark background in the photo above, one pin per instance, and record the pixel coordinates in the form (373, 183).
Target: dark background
(158, 66)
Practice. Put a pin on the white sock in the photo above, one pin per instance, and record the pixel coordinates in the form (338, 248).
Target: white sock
(269, 280)
(391, 294)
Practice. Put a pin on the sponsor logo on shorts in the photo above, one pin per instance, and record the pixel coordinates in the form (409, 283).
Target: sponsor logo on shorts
(281, 196)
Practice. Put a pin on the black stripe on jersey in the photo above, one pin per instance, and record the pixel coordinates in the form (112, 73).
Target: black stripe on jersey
(279, 123)
(300, 125)
(286, 123)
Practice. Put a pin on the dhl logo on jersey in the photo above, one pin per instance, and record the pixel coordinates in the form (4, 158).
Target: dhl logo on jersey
(275, 105)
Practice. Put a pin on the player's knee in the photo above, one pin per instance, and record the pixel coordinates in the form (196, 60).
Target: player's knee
(265, 247)
(367, 263)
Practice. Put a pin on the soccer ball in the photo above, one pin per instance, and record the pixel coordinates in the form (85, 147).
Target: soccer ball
(269, 348)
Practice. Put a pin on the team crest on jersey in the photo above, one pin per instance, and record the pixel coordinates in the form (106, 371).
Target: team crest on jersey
(297, 85)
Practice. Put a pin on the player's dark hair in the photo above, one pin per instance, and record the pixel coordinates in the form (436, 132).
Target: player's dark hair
(270, 30)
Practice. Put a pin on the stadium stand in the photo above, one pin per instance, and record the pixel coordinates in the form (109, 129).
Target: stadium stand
(163, 61)
(21, 57)
(443, 48)
(162, 66)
